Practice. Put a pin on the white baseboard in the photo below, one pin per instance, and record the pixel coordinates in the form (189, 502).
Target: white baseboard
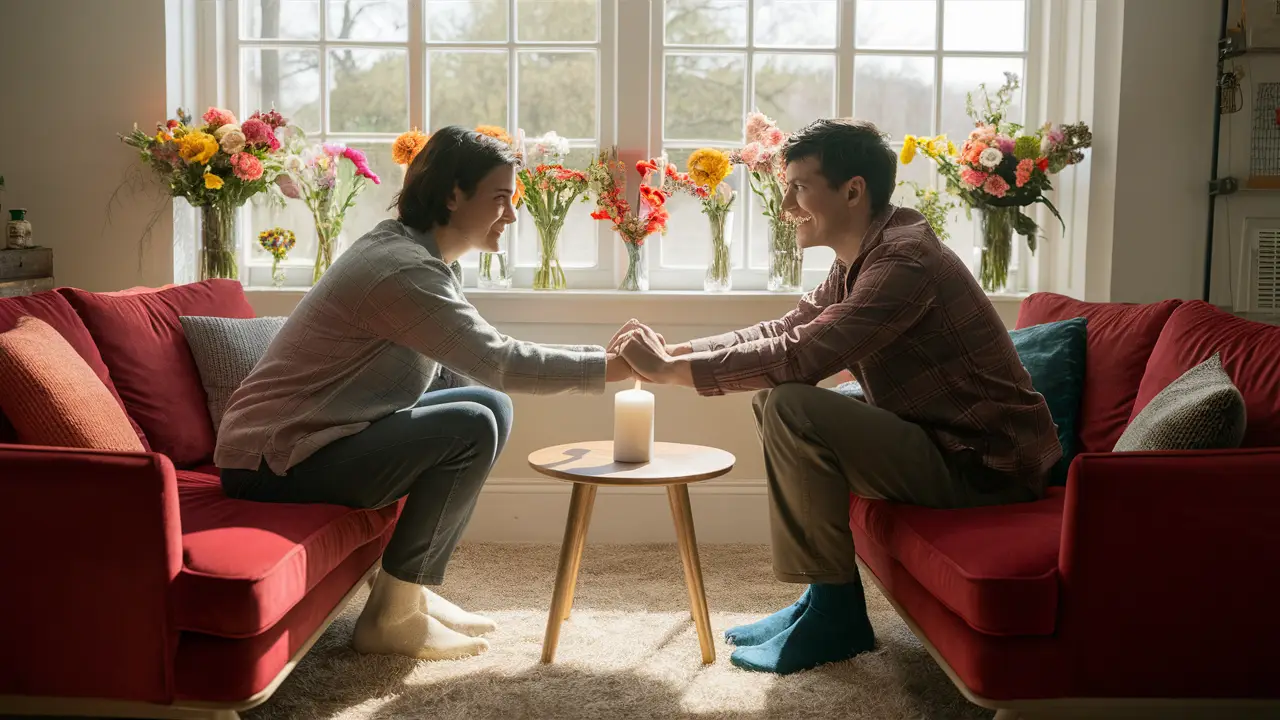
(531, 510)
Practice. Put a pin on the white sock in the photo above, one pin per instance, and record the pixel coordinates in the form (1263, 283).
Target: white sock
(393, 623)
(455, 617)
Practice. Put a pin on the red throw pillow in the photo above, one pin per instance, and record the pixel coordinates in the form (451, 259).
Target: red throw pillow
(54, 310)
(1119, 340)
(1250, 354)
(53, 397)
(142, 344)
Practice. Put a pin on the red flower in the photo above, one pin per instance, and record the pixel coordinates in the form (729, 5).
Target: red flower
(644, 167)
(652, 196)
(671, 173)
(1043, 164)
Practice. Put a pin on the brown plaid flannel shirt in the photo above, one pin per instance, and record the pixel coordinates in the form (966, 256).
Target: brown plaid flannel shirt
(913, 326)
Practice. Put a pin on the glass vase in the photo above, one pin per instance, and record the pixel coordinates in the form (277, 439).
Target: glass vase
(786, 259)
(277, 274)
(993, 247)
(218, 241)
(495, 271)
(637, 277)
(719, 277)
(549, 275)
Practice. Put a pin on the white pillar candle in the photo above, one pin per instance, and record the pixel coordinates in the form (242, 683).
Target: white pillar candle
(633, 425)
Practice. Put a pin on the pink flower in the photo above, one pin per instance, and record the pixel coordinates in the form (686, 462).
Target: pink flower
(258, 132)
(217, 117)
(776, 137)
(288, 186)
(758, 127)
(362, 164)
(996, 186)
(1005, 144)
(751, 153)
(972, 177)
(1024, 171)
(334, 149)
(273, 118)
(246, 166)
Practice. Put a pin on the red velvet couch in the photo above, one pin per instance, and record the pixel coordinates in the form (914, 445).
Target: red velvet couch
(135, 587)
(1148, 581)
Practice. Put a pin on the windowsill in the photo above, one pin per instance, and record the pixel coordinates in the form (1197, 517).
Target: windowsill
(613, 307)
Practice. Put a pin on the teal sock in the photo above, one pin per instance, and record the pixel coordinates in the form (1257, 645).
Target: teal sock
(761, 630)
(832, 628)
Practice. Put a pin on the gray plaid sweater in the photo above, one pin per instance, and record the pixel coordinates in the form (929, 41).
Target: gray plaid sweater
(367, 341)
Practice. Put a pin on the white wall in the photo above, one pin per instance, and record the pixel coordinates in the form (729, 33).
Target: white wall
(75, 74)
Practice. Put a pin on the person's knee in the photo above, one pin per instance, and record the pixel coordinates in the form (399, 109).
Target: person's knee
(477, 424)
(788, 400)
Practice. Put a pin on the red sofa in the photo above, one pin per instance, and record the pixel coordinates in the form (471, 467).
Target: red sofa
(135, 587)
(1149, 580)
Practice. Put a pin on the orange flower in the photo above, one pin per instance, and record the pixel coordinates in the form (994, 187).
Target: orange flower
(644, 167)
(408, 145)
(518, 196)
(494, 131)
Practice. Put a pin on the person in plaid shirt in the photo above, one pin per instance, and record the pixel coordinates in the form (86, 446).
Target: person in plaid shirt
(948, 419)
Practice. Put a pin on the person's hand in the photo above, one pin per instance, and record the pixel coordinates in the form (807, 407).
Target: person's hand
(629, 326)
(648, 356)
(616, 368)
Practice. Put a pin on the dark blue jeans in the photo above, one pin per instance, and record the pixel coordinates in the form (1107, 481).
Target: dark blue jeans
(438, 453)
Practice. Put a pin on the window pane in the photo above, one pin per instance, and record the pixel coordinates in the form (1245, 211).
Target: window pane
(961, 76)
(288, 80)
(368, 20)
(557, 20)
(280, 19)
(796, 23)
(795, 90)
(704, 97)
(468, 88)
(987, 25)
(818, 258)
(369, 91)
(467, 20)
(895, 93)
(687, 243)
(706, 22)
(897, 24)
(372, 205)
(558, 92)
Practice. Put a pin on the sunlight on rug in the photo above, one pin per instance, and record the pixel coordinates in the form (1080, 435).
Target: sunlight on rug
(628, 651)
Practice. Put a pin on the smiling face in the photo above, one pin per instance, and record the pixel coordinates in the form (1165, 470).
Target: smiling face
(826, 212)
(481, 218)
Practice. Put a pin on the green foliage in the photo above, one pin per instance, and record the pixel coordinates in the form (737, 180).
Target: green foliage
(934, 206)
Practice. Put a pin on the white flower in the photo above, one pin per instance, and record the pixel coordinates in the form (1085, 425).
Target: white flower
(231, 142)
(294, 164)
(990, 157)
(547, 150)
(222, 130)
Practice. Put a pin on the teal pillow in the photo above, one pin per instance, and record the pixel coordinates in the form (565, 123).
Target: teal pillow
(1053, 354)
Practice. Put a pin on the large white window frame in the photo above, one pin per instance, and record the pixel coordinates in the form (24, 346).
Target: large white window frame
(630, 114)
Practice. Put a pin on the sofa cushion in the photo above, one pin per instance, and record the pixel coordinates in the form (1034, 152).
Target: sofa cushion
(54, 309)
(996, 567)
(225, 351)
(142, 344)
(1054, 356)
(53, 397)
(1202, 410)
(1249, 352)
(1120, 339)
(246, 564)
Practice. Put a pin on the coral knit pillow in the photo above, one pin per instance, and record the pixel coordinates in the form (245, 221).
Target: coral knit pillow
(53, 397)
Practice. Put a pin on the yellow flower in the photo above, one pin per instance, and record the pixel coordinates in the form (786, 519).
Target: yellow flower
(197, 147)
(951, 149)
(908, 149)
(212, 182)
(709, 167)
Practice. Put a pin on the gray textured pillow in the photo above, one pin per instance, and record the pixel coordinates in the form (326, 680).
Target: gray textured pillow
(225, 351)
(1201, 410)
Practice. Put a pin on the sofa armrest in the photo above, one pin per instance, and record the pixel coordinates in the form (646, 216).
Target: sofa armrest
(1169, 566)
(90, 542)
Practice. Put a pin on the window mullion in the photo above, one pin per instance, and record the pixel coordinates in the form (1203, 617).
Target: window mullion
(847, 17)
(417, 64)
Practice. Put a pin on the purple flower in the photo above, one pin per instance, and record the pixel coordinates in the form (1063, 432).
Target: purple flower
(335, 149)
(1005, 144)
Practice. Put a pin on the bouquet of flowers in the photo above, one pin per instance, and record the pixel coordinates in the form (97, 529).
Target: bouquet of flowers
(316, 174)
(549, 190)
(1001, 169)
(762, 155)
(708, 169)
(217, 164)
(277, 242)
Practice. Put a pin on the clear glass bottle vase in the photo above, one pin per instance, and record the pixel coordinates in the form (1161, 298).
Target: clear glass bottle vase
(786, 259)
(637, 275)
(719, 277)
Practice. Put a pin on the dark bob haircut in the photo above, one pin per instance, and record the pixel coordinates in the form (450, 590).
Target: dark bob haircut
(848, 148)
(454, 157)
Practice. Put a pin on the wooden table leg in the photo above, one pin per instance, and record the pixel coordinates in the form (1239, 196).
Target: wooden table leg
(580, 541)
(575, 526)
(682, 514)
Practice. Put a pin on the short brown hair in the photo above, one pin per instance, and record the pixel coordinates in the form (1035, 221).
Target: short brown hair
(454, 157)
(847, 148)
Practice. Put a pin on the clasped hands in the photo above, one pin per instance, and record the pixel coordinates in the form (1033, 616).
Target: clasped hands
(636, 350)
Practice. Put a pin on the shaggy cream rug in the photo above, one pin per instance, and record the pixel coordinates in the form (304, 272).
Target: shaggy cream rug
(628, 651)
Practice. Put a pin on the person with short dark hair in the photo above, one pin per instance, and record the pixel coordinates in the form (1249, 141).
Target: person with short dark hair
(337, 411)
(948, 417)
